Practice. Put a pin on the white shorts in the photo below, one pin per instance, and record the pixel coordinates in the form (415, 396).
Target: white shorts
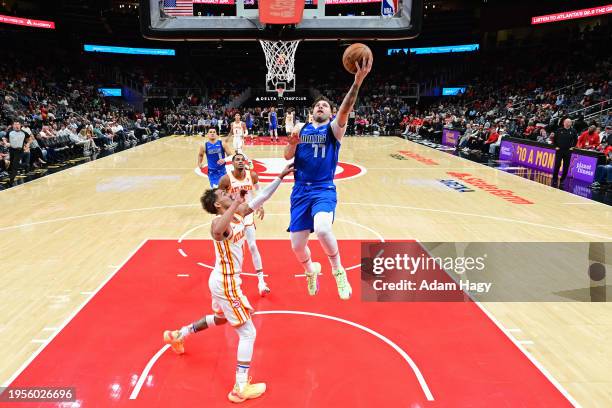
(289, 129)
(237, 144)
(227, 298)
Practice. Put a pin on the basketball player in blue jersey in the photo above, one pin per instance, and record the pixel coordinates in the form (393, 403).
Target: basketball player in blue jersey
(273, 124)
(215, 151)
(315, 148)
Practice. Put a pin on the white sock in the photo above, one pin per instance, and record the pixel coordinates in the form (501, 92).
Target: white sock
(187, 330)
(260, 277)
(242, 375)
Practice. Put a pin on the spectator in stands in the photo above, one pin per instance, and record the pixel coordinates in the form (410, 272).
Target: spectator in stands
(489, 144)
(603, 173)
(606, 135)
(4, 157)
(565, 139)
(589, 139)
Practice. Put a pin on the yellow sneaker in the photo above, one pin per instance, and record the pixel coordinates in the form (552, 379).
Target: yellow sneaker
(344, 287)
(174, 339)
(313, 279)
(250, 391)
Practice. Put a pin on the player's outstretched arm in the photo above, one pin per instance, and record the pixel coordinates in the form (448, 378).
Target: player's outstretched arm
(264, 194)
(339, 123)
(260, 212)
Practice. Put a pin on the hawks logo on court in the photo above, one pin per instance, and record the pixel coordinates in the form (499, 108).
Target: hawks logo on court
(269, 168)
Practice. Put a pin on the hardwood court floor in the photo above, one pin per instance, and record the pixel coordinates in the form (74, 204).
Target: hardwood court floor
(65, 234)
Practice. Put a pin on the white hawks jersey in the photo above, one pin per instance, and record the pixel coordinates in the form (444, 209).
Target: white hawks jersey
(243, 184)
(229, 252)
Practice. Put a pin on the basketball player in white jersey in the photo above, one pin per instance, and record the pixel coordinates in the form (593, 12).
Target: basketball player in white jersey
(238, 130)
(240, 178)
(228, 302)
(289, 121)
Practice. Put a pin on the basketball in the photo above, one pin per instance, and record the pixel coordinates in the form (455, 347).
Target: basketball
(355, 52)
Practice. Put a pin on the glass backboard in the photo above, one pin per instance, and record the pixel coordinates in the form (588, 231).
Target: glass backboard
(202, 20)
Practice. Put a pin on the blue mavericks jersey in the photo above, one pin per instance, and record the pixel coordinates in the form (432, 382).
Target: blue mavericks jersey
(316, 155)
(273, 118)
(214, 152)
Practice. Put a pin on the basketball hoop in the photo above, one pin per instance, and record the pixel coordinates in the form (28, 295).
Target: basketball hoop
(280, 61)
(280, 92)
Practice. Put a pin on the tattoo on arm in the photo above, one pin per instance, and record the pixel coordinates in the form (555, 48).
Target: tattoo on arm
(350, 98)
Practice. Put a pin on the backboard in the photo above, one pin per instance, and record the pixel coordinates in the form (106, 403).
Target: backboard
(210, 20)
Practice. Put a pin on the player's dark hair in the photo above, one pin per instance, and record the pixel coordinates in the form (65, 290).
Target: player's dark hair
(208, 200)
(322, 98)
(238, 154)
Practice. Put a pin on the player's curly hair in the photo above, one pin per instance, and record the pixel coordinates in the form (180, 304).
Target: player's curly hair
(208, 200)
(322, 98)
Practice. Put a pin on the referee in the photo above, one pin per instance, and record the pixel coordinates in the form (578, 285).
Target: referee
(16, 139)
(565, 138)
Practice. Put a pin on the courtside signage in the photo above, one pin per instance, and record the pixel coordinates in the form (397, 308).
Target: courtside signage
(571, 15)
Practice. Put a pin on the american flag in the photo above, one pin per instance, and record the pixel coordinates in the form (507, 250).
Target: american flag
(178, 7)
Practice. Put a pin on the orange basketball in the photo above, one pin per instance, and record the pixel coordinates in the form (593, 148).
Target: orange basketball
(355, 52)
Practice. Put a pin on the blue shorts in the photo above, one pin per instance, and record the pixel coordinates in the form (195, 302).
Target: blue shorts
(273, 126)
(308, 200)
(215, 175)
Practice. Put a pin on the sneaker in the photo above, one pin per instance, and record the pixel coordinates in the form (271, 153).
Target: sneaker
(250, 391)
(344, 287)
(596, 185)
(313, 279)
(174, 339)
(263, 288)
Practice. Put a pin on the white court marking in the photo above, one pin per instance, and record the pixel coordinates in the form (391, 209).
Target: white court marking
(97, 214)
(146, 370)
(526, 353)
(490, 217)
(77, 311)
(398, 349)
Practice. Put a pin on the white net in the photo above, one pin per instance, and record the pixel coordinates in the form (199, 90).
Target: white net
(280, 61)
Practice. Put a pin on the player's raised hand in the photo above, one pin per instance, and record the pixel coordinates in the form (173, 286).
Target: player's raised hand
(363, 69)
(287, 170)
(294, 137)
